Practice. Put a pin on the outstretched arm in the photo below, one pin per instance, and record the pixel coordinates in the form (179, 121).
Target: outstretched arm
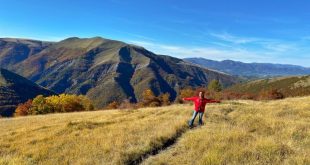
(213, 101)
(189, 99)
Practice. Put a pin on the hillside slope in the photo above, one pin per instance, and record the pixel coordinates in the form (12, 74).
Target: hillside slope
(289, 86)
(15, 89)
(235, 132)
(251, 69)
(107, 70)
(14, 51)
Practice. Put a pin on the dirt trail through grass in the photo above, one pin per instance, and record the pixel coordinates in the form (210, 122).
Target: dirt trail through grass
(170, 144)
(173, 142)
(156, 150)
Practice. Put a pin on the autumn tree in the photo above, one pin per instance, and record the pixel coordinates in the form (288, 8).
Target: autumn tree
(126, 104)
(23, 108)
(112, 105)
(55, 101)
(87, 103)
(149, 99)
(215, 86)
(271, 94)
(184, 93)
(165, 99)
(40, 106)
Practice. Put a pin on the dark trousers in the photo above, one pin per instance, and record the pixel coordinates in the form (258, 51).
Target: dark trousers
(191, 122)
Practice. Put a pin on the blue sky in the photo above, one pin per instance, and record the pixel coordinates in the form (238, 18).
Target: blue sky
(273, 31)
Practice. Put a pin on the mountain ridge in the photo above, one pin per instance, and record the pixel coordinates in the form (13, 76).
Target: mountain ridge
(251, 69)
(97, 66)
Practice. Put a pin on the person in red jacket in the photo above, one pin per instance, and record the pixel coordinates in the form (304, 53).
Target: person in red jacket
(200, 104)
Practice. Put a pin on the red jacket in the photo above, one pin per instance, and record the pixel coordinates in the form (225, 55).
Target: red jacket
(200, 104)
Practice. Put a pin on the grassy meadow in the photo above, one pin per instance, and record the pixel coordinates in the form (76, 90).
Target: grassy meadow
(235, 132)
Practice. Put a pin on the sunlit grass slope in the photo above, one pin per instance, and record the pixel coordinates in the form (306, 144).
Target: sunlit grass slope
(246, 132)
(102, 137)
(235, 132)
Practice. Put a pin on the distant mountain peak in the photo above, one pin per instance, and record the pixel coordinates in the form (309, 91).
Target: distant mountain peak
(251, 69)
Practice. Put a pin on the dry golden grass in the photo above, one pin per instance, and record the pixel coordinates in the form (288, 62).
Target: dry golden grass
(235, 132)
(246, 132)
(102, 137)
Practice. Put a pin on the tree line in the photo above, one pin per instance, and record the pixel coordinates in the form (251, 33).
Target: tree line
(54, 104)
(74, 103)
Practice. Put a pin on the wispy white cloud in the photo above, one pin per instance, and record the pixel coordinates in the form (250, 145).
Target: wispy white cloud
(233, 39)
(268, 44)
(41, 38)
(135, 35)
(207, 52)
(274, 52)
(279, 47)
